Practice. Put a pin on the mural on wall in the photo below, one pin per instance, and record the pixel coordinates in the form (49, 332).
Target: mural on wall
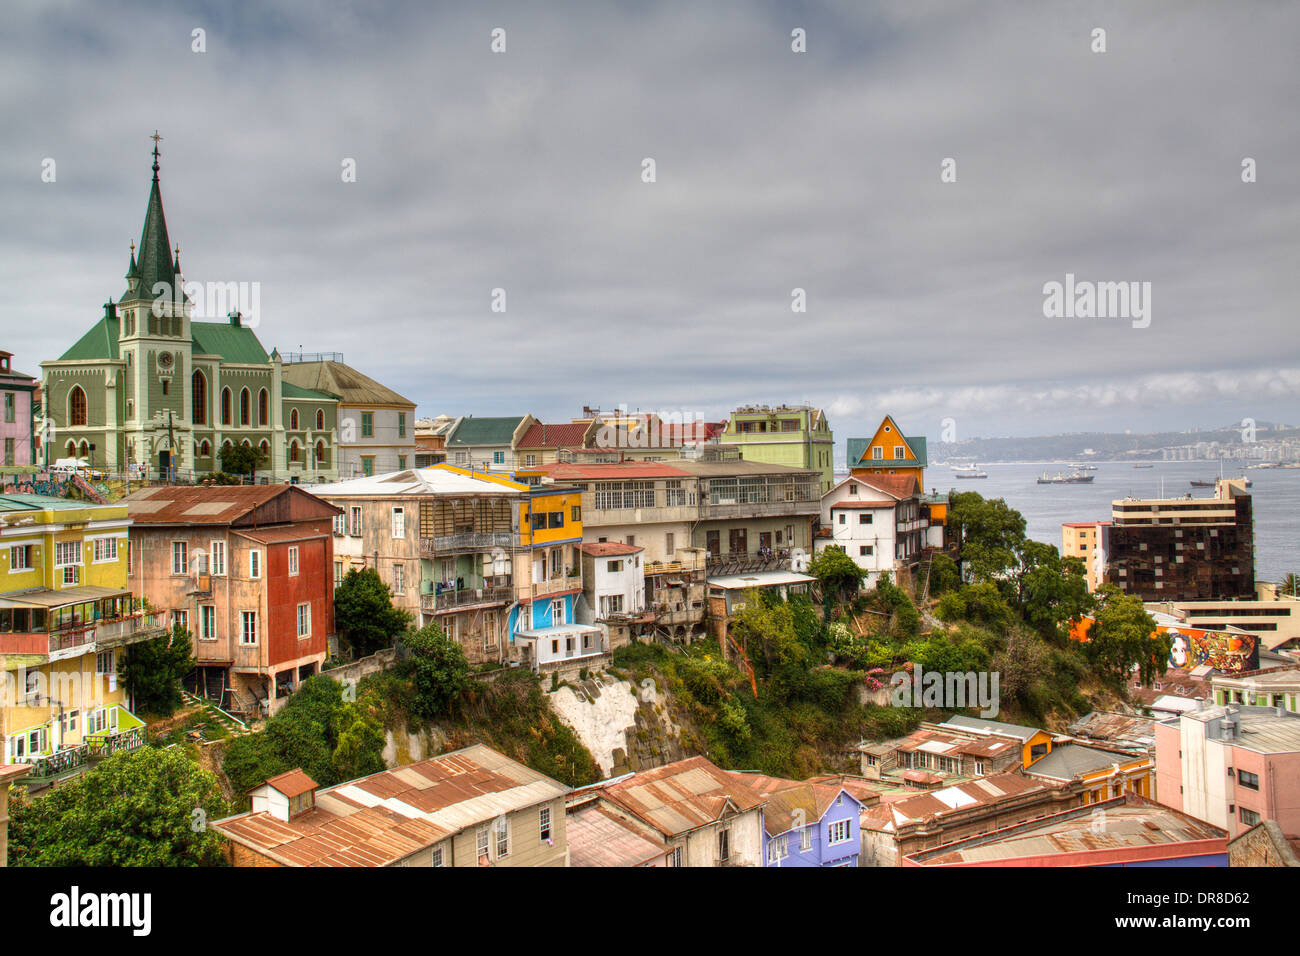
(1191, 647)
(1225, 652)
(53, 486)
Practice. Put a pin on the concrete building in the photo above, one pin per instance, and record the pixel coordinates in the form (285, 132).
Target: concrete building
(246, 570)
(376, 425)
(1274, 687)
(148, 389)
(17, 391)
(1232, 766)
(1128, 830)
(614, 586)
(1274, 620)
(703, 815)
(798, 436)
(67, 618)
(1184, 549)
(1089, 541)
(471, 807)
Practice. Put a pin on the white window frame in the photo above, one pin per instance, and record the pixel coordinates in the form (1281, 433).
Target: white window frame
(255, 564)
(244, 618)
(355, 522)
(544, 824)
(399, 523)
(501, 830)
(293, 560)
(217, 558)
(25, 558)
(838, 832)
(340, 525)
(105, 549)
(399, 578)
(304, 620)
(207, 622)
(181, 550)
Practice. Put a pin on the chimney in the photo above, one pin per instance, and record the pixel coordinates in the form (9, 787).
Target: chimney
(234, 319)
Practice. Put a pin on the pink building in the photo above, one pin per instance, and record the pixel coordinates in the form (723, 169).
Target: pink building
(1232, 766)
(16, 414)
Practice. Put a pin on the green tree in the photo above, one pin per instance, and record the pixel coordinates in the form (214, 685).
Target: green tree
(944, 575)
(438, 669)
(360, 747)
(1289, 585)
(989, 535)
(364, 616)
(240, 459)
(839, 576)
(150, 807)
(153, 670)
(1123, 636)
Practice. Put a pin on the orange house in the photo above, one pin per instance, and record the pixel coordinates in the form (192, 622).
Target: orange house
(888, 452)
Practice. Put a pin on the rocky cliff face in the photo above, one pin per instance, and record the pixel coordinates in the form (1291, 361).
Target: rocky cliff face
(626, 728)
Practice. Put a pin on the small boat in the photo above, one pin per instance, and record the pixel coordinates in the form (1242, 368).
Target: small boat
(1144, 466)
(968, 471)
(1084, 467)
(1202, 484)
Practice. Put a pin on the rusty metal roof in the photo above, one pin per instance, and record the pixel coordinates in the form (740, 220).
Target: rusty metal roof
(599, 838)
(215, 504)
(682, 796)
(293, 783)
(935, 804)
(380, 819)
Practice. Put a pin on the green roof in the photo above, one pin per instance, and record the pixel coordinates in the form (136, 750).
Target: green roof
(234, 343)
(98, 343)
(857, 447)
(290, 390)
(485, 431)
(154, 263)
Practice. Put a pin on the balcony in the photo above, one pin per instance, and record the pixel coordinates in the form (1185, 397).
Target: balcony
(729, 509)
(71, 760)
(77, 638)
(557, 585)
(466, 597)
(467, 542)
(689, 566)
(743, 562)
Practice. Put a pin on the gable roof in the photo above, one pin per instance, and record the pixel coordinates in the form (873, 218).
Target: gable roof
(234, 343)
(597, 837)
(980, 725)
(789, 801)
(335, 378)
(682, 796)
(1068, 761)
(99, 342)
(484, 431)
(225, 505)
(605, 549)
(936, 804)
(857, 448)
(896, 486)
(292, 783)
(555, 436)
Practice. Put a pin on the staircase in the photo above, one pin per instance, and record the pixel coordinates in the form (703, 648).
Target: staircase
(929, 563)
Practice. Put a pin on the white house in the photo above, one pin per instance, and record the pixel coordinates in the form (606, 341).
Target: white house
(613, 579)
(876, 521)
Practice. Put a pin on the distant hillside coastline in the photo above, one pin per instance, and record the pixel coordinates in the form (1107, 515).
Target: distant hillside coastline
(1270, 442)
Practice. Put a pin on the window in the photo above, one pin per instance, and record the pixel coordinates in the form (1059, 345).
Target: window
(675, 856)
(248, 627)
(877, 453)
(304, 620)
(10, 408)
(20, 557)
(106, 549)
(294, 453)
(613, 567)
(255, 564)
(401, 424)
(864, 550)
(367, 424)
(354, 526)
(10, 450)
(399, 523)
(853, 490)
(557, 611)
(217, 552)
(839, 831)
(483, 841)
(76, 406)
(669, 548)
(338, 572)
(245, 401)
(724, 845)
(530, 460)
(498, 458)
(1247, 779)
(208, 622)
(225, 406)
(436, 859)
(805, 839)
(66, 553)
(503, 837)
(1249, 817)
(900, 453)
(103, 663)
(399, 579)
(864, 518)
(165, 384)
(293, 560)
(401, 462)
(843, 518)
(544, 824)
(367, 465)
(340, 525)
(777, 850)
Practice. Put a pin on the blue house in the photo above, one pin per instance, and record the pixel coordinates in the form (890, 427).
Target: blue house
(808, 823)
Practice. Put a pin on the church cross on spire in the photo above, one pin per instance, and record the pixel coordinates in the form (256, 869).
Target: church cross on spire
(155, 137)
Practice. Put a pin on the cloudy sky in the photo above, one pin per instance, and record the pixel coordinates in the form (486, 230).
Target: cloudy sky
(774, 170)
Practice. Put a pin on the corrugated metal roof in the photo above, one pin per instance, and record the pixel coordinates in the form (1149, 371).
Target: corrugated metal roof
(352, 387)
(682, 796)
(597, 837)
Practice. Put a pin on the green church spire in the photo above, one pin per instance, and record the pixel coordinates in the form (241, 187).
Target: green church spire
(154, 264)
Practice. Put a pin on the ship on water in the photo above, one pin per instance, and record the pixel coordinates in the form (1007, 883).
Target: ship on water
(968, 471)
(1074, 478)
(1143, 466)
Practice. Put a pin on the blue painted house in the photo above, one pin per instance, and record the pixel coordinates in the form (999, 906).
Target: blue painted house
(808, 823)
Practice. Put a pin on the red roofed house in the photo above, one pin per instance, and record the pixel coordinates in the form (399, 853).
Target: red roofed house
(247, 570)
(705, 817)
(878, 520)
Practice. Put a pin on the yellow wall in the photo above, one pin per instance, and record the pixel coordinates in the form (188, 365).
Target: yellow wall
(564, 501)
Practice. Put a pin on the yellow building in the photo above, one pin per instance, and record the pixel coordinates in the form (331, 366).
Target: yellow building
(1087, 540)
(66, 618)
(888, 452)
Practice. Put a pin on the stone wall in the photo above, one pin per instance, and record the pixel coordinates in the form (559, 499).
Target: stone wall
(1262, 845)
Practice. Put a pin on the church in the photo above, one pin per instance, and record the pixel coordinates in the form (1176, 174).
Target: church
(146, 390)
